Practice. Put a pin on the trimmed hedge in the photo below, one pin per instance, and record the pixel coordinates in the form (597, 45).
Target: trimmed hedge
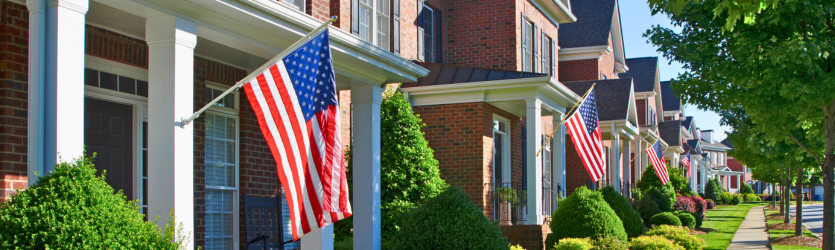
(686, 219)
(632, 222)
(751, 197)
(646, 208)
(746, 189)
(584, 214)
(574, 244)
(679, 235)
(665, 198)
(448, 221)
(653, 243)
(665, 218)
(610, 243)
(698, 218)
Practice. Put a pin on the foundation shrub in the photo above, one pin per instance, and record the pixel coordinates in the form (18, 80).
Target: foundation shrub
(653, 243)
(736, 199)
(678, 235)
(72, 208)
(700, 205)
(584, 214)
(448, 221)
(632, 223)
(574, 244)
(686, 219)
(713, 190)
(684, 203)
(665, 198)
(746, 189)
(610, 243)
(665, 218)
(646, 208)
(751, 197)
(698, 218)
(710, 204)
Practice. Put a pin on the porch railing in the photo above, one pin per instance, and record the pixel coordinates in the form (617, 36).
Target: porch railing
(550, 199)
(508, 200)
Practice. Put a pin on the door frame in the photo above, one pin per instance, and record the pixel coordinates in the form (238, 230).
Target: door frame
(139, 106)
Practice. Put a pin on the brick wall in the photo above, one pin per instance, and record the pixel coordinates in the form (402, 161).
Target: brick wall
(641, 106)
(606, 63)
(575, 173)
(528, 236)
(14, 41)
(579, 70)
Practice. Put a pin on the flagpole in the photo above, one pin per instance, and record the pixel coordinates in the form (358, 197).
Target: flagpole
(642, 150)
(563, 120)
(258, 71)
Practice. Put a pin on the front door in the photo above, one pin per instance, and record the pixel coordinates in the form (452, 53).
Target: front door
(108, 132)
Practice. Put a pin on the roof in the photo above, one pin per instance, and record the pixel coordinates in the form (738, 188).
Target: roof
(727, 142)
(671, 132)
(688, 121)
(643, 70)
(440, 74)
(694, 145)
(594, 22)
(715, 145)
(669, 99)
(612, 96)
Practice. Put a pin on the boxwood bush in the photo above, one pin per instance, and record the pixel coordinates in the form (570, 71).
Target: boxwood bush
(646, 208)
(632, 223)
(574, 244)
(653, 243)
(746, 189)
(698, 218)
(610, 243)
(736, 199)
(687, 219)
(665, 198)
(448, 221)
(751, 197)
(678, 235)
(584, 214)
(665, 218)
(72, 208)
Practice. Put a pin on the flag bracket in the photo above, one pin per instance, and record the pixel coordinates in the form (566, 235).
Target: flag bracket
(186, 121)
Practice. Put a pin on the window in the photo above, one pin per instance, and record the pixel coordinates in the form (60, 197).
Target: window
(501, 158)
(374, 22)
(527, 46)
(114, 82)
(426, 22)
(221, 158)
(547, 56)
(299, 4)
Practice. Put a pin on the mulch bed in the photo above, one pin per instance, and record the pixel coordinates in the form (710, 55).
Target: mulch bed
(798, 241)
(776, 217)
(769, 207)
(705, 229)
(784, 226)
(697, 232)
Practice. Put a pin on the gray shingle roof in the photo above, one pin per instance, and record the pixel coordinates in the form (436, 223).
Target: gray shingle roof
(594, 21)
(612, 96)
(669, 99)
(449, 74)
(727, 142)
(643, 70)
(671, 132)
(688, 121)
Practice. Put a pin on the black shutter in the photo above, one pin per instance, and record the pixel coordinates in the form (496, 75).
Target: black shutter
(355, 17)
(544, 67)
(553, 59)
(534, 49)
(438, 37)
(524, 157)
(420, 37)
(525, 31)
(395, 26)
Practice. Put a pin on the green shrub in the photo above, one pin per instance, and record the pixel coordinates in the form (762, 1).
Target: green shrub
(686, 219)
(665, 218)
(584, 214)
(516, 247)
(646, 208)
(72, 208)
(610, 243)
(691, 194)
(678, 182)
(653, 243)
(649, 179)
(345, 244)
(751, 197)
(698, 218)
(550, 242)
(632, 223)
(679, 235)
(448, 221)
(713, 190)
(665, 198)
(574, 244)
(710, 204)
(736, 199)
(746, 189)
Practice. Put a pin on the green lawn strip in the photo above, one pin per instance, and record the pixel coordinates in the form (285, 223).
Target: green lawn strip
(774, 234)
(726, 220)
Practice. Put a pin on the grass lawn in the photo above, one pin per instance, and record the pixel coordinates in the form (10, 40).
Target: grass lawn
(726, 220)
(773, 234)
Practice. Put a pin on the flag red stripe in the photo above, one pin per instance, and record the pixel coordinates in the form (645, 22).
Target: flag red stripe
(587, 147)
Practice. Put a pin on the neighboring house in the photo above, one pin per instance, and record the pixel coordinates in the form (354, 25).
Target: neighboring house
(645, 74)
(673, 107)
(671, 132)
(134, 69)
(692, 145)
(617, 118)
(717, 155)
(592, 48)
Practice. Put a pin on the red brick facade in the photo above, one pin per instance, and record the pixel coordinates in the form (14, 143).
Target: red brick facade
(14, 40)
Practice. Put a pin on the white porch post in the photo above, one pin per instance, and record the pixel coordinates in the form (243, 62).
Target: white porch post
(56, 83)
(366, 100)
(693, 173)
(638, 163)
(533, 122)
(171, 41)
(704, 176)
(738, 184)
(558, 155)
(615, 159)
(627, 167)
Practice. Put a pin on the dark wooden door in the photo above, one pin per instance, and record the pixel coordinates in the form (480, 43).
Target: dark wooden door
(108, 132)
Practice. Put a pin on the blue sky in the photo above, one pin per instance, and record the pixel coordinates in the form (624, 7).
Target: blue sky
(636, 18)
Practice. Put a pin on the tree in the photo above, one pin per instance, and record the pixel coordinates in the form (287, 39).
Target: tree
(777, 69)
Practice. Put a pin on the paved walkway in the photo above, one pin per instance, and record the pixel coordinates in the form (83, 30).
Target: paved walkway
(751, 233)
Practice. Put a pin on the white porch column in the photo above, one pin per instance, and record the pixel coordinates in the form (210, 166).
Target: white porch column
(56, 83)
(318, 238)
(366, 100)
(704, 176)
(638, 162)
(558, 155)
(738, 184)
(693, 172)
(615, 159)
(627, 168)
(171, 41)
(533, 122)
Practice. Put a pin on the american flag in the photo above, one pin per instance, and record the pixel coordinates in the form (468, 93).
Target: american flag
(585, 133)
(686, 161)
(295, 102)
(656, 156)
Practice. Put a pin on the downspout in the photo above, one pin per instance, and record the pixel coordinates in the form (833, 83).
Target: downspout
(37, 59)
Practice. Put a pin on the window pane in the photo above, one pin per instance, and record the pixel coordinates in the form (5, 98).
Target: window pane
(91, 77)
(127, 85)
(107, 81)
(142, 88)
(365, 26)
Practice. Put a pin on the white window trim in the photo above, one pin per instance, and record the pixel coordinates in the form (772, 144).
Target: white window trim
(506, 178)
(300, 8)
(373, 24)
(233, 113)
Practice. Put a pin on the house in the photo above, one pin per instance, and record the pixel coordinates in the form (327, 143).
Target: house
(693, 147)
(648, 101)
(592, 47)
(717, 156)
(138, 67)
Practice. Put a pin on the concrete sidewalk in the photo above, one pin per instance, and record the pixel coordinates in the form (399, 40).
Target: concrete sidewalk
(751, 233)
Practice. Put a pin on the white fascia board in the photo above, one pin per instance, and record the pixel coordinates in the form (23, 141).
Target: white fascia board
(632, 115)
(644, 95)
(583, 53)
(686, 133)
(617, 38)
(624, 128)
(555, 10)
(550, 92)
(274, 26)
(676, 149)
